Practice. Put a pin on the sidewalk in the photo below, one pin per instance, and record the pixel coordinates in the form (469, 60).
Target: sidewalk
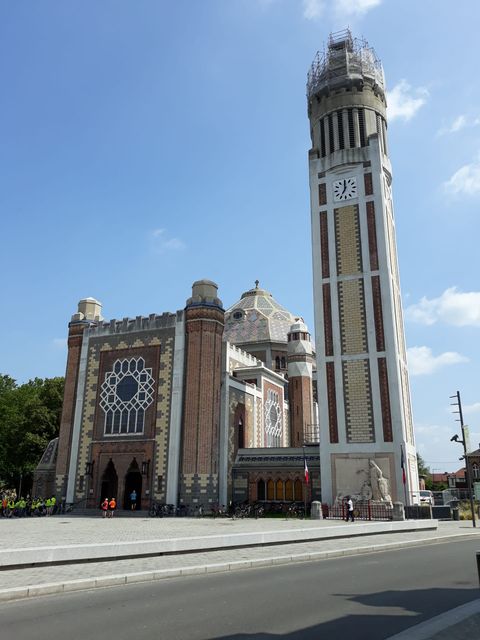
(339, 539)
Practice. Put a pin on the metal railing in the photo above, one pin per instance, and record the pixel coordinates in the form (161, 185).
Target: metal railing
(361, 511)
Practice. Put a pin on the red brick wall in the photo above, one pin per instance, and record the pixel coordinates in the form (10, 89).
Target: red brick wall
(324, 244)
(301, 401)
(385, 400)
(378, 313)
(327, 319)
(204, 330)
(332, 402)
(372, 236)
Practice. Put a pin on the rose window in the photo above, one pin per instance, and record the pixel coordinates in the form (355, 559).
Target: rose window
(273, 419)
(125, 395)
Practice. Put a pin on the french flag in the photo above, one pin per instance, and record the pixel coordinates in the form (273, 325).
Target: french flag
(402, 464)
(305, 468)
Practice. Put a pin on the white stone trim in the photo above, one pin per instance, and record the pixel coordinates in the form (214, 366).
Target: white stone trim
(174, 441)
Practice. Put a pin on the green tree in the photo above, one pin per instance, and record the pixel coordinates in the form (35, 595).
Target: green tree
(29, 419)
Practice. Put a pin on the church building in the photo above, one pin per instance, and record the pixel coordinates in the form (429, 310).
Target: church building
(208, 405)
(201, 406)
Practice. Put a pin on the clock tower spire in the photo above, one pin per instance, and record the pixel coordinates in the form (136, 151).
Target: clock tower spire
(363, 389)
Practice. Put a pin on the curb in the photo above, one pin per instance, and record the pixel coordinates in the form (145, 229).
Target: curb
(83, 584)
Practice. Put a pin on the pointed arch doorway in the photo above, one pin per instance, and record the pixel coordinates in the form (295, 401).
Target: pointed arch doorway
(133, 480)
(109, 482)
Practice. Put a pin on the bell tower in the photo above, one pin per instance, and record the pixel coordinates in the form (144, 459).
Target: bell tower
(363, 389)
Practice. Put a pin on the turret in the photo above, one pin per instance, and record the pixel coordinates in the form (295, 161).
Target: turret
(204, 323)
(300, 393)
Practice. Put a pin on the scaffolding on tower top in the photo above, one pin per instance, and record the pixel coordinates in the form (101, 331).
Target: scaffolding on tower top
(345, 58)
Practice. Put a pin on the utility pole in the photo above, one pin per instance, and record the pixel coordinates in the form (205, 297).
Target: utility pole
(454, 438)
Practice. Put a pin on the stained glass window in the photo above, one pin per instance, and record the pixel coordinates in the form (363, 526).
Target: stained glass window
(126, 393)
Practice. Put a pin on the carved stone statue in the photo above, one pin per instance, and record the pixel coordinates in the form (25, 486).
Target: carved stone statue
(380, 488)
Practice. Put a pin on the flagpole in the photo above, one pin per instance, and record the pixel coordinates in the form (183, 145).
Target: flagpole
(306, 486)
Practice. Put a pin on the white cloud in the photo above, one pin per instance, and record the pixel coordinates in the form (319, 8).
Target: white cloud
(471, 408)
(313, 9)
(460, 122)
(163, 243)
(354, 7)
(404, 101)
(466, 180)
(421, 360)
(60, 343)
(452, 307)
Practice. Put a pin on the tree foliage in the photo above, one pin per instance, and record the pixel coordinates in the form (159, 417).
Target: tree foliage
(29, 419)
(423, 470)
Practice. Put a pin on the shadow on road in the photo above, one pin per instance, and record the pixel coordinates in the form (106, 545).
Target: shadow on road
(417, 606)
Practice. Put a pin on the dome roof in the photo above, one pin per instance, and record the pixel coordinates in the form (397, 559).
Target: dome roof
(257, 317)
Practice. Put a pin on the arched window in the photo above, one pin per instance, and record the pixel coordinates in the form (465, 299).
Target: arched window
(273, 420)
(277, 362)
(261, 490)
(298, 490)
(289, 490)
(126, 393)
(283, 363)
(475, 471)
(240, 434)
(280, 490)
(270, 490)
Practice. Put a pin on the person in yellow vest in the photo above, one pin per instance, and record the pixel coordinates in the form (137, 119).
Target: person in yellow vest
(112, 505)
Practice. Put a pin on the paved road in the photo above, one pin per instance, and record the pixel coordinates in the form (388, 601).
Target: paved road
(366, 597)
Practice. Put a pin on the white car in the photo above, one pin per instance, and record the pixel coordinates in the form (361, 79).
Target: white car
(426, 497)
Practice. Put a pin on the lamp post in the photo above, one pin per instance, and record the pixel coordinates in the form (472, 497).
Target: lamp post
(463, 442)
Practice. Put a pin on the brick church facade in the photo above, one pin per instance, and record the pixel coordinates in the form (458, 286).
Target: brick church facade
(201, 406)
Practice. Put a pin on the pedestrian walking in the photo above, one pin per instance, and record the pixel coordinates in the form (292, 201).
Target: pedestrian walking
(104, 507)
(112, 505)
(133, 500)
(350, 508)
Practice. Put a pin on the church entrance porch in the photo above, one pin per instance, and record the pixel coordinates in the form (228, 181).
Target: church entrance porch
(109, 482)
(128, 465)
(133, 481)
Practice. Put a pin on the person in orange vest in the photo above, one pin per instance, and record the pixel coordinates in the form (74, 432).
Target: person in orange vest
(112, 505)
(104, 507)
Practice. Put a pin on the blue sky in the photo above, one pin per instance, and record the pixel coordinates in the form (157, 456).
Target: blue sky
(148, 144)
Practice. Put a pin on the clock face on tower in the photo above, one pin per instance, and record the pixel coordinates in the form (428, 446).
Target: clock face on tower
(345, 189)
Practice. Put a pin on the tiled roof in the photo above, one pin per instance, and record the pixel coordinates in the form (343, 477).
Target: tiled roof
(257, 317)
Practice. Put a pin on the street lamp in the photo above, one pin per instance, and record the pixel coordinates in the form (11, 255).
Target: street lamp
(463, 442)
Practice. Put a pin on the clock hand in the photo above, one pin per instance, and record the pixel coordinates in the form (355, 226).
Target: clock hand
(344, 188)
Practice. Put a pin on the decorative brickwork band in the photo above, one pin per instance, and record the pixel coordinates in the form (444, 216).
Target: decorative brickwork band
(348, 241)
(385, 400)
(372, 236)
(332, 402)
(324, 245)
(378, 313)
(327, 319)
(358, 401)
(353, 325)
(322, 193)
(368, 184)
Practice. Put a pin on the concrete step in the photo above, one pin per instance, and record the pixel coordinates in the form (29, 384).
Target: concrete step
(62, 554)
